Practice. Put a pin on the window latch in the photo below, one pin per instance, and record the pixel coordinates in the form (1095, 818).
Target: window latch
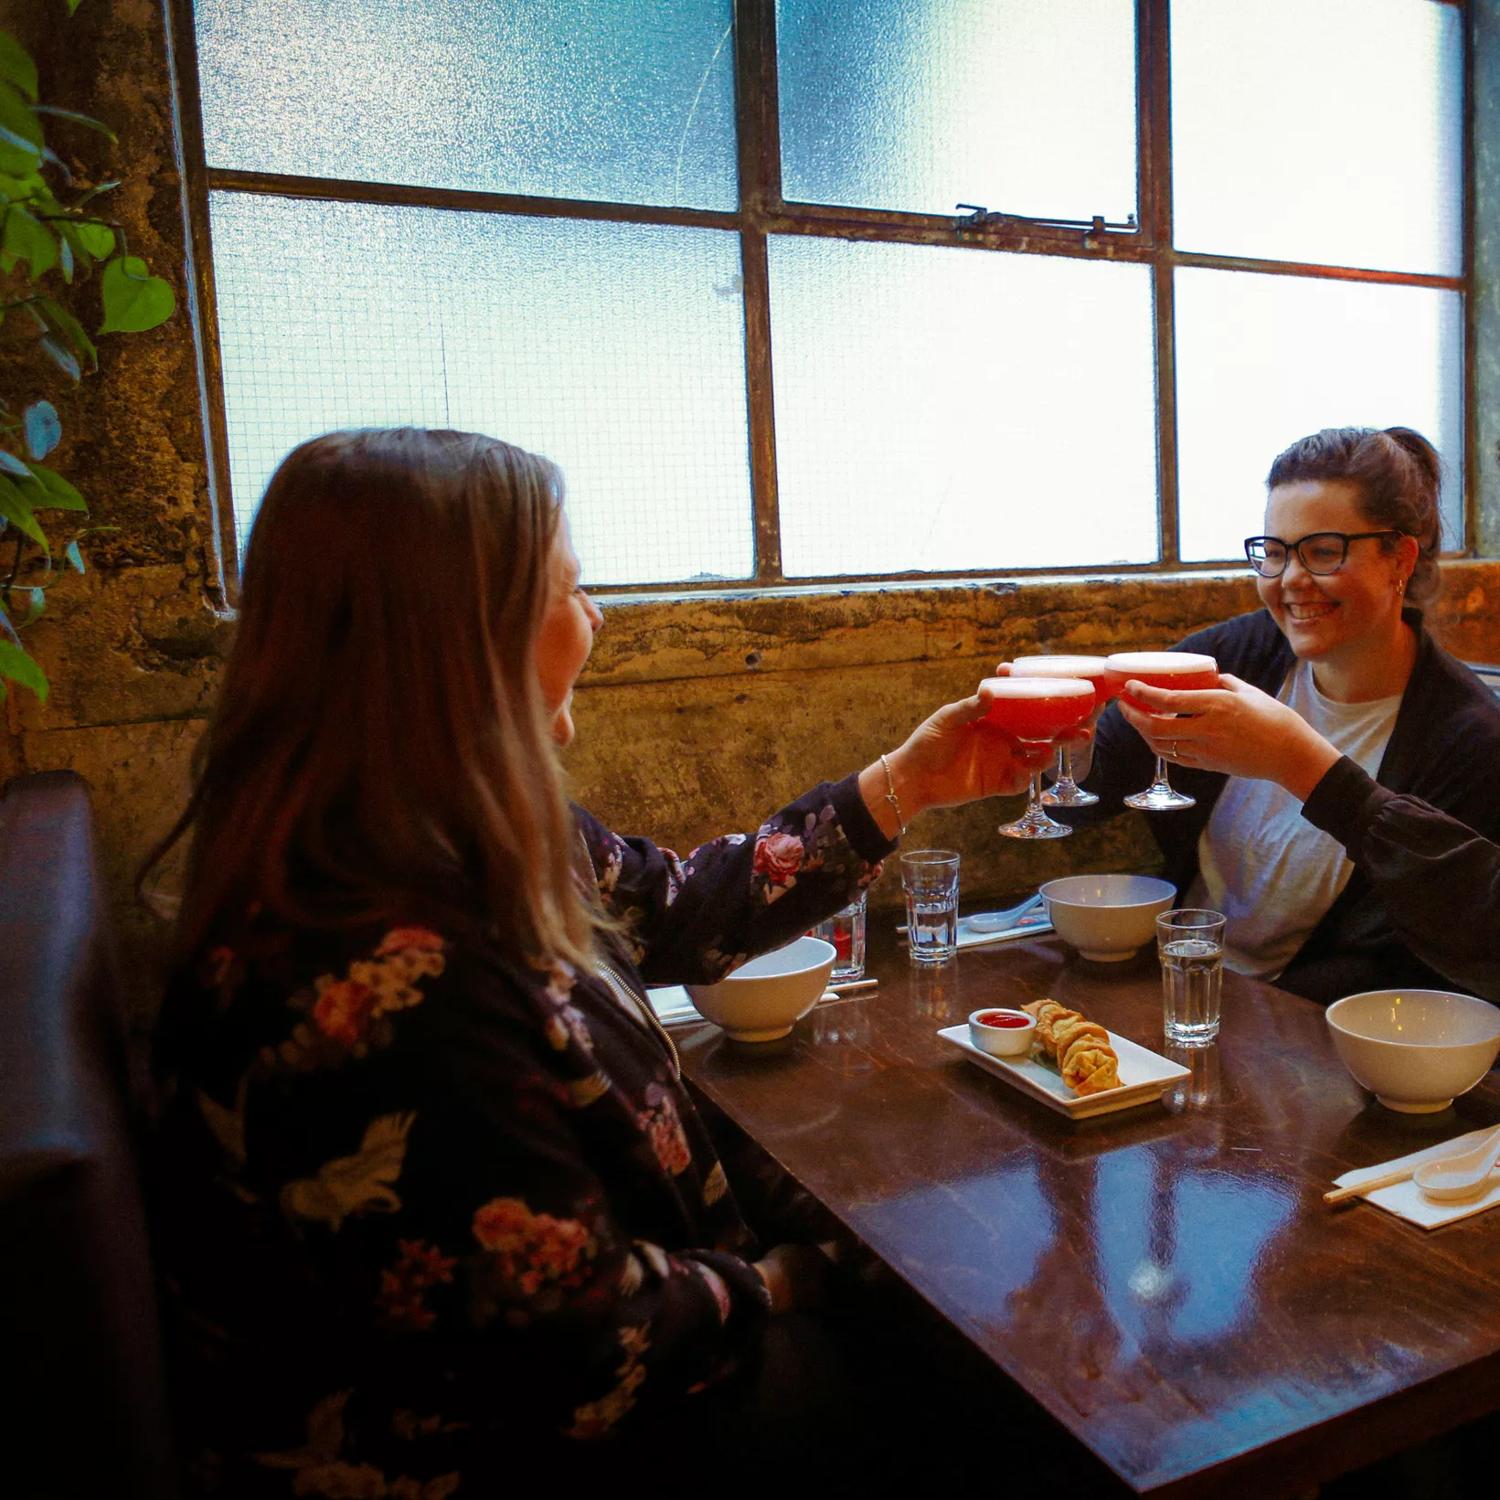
(980, 217)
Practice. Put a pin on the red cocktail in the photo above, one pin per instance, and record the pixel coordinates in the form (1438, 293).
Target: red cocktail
(1038, 710)
(1180, 671)
(1065, 791)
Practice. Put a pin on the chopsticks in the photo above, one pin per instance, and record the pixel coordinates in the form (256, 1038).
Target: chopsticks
(1358, 1189)
(848, 987)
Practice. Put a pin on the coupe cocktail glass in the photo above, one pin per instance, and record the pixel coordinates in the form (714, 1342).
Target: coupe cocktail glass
(1064, 791)
(1178, 670)
(1036, 711)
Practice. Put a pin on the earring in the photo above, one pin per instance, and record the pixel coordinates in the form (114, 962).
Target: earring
(1400, 587)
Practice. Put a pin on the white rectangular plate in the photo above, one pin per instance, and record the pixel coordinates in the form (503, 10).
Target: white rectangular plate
(1144, 1076)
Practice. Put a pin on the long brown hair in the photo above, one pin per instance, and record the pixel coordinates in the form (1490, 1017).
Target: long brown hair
(380, 747)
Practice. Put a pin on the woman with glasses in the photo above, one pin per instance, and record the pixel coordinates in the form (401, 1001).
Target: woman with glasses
(1347, 764)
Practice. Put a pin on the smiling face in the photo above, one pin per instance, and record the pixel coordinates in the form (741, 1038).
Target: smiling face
(566, 635)
(1339, 618)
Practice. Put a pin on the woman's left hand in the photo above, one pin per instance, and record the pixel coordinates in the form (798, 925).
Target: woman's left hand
(1234, 728)
(954, 756)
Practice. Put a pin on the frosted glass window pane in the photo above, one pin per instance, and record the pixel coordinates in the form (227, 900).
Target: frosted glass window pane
(632, 101)
(1026, 106)
(1264, 360)
(947, 410)
(1328, 131)
(615, 349)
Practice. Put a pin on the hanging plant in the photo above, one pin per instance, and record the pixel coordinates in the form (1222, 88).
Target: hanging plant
(65, 264)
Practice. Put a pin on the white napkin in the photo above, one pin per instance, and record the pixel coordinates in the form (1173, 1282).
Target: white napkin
(1407, 1201)
(672, 1005)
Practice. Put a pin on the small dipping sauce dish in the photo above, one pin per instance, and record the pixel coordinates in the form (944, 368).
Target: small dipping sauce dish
(1002, 1032)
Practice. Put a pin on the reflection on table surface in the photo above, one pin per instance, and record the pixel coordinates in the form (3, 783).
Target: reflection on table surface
(1166, 1281)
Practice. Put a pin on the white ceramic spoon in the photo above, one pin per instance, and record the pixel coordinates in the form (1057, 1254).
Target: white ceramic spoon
(1462, 1176)
(993, 921)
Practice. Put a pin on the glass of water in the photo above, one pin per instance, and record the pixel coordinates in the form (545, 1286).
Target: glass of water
(930, 879)
(1190, 944)
(846, 931)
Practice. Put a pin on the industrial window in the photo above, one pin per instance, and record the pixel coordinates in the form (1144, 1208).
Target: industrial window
(801, 290)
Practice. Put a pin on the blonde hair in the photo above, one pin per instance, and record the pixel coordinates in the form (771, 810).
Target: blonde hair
(380, 749)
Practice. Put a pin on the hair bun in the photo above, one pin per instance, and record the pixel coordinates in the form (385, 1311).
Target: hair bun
(1421, 450)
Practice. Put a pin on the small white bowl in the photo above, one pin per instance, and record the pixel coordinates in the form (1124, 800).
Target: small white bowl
(1002, 1041)
(763, 999)
(1107, 917)
(1415, 1050)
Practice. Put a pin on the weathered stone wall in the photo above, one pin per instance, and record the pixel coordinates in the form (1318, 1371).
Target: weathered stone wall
(695, 715)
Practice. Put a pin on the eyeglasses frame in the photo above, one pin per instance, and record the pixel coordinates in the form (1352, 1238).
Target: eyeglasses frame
(1296, 547)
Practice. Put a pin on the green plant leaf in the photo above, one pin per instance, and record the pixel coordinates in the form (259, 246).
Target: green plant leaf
(61, 357)
(74, 555)
(134, 300)
(43, 428)
(58, 165)
(60, 494)
(73, 5)
(61, 322)
(17, 666)
(98, 187)
(15, 154)
(72, 114)
(97, 240)
(19, 127)
(16, 65)
(16, 509)
(15, 186)
(28, 239)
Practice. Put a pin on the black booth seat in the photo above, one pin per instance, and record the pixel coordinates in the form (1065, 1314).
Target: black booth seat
(79, 1336)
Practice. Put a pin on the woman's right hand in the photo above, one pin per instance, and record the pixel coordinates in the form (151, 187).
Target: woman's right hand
(955, 755)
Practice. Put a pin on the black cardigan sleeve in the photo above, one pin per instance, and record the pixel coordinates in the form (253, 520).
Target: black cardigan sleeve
(1438, 880)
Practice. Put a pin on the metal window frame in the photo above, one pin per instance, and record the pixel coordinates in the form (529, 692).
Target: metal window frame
(764, 212)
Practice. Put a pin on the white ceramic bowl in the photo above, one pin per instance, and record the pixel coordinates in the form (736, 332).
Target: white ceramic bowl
(1415, 1050)
(763, 999)
(1107, 917)
(1002, 1041)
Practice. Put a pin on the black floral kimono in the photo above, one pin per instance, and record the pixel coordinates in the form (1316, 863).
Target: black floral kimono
(423, 1213)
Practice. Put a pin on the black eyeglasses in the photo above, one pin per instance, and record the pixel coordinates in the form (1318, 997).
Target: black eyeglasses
(1319, 552)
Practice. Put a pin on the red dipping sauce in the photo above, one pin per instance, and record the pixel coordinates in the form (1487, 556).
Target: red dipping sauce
(1002, 1018)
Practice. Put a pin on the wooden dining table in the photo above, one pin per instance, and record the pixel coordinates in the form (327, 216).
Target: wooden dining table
(1166, 1281)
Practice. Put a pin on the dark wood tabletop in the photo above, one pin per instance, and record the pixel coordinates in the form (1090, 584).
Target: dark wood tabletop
(1166, 1281)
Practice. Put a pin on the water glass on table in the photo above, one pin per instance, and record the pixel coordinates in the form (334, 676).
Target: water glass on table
(846, 931)
(1190, 944)
(930, 879)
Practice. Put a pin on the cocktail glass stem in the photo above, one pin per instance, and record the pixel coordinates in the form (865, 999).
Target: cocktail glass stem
(1064, 791)
(1034, 822)
(1161, 795)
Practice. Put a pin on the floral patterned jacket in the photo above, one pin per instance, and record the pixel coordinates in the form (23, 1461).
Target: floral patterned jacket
(421, 1210)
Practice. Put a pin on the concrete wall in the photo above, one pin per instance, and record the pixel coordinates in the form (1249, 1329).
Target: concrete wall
(696, 714)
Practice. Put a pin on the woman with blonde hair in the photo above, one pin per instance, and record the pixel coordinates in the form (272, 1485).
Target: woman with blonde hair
(432, 1196)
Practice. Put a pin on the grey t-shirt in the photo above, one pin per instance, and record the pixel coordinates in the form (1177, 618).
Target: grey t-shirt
(1260, 862)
